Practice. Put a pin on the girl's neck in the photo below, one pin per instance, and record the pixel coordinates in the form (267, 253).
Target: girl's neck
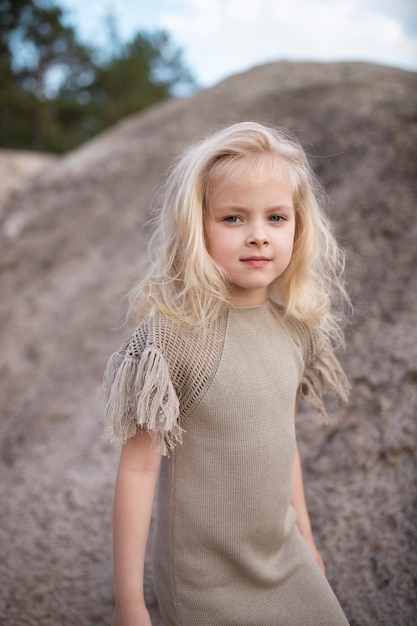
(245, 298)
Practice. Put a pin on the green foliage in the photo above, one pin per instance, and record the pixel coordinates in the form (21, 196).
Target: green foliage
(55, 94)
(139, 74)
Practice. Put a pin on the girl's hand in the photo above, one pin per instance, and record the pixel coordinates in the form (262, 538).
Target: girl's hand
(131, 616)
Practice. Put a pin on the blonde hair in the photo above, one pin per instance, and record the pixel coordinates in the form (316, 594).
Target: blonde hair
(186, 284)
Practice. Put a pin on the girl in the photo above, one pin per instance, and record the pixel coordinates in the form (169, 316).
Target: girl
(236, 322)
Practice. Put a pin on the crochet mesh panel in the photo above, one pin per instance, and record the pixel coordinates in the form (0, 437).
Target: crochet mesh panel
(192, 363)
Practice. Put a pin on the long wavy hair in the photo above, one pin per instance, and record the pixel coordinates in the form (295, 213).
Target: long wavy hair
(186, 284)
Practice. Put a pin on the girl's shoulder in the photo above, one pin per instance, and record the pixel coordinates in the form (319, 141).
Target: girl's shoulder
(157, 375)
(155, 330)
(180, 345)
(322, 370)
(309, 339)
(139, 388)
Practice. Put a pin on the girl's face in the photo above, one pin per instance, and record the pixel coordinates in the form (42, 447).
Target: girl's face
(250, 226)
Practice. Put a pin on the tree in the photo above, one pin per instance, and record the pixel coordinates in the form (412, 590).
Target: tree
(140, 73)
(56, 92)
(39, 55)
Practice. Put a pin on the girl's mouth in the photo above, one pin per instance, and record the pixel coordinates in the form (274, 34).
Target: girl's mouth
(256, 261)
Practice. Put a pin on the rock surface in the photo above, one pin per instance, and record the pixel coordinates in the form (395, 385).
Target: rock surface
(63, 274)
(17, 169)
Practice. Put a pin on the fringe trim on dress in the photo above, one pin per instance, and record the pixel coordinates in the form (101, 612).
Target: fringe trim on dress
(139, 392)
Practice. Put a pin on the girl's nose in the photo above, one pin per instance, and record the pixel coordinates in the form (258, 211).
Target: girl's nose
(258, 237)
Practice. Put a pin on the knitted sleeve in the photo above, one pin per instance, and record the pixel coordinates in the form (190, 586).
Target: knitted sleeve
(139, 392)
(322, 370)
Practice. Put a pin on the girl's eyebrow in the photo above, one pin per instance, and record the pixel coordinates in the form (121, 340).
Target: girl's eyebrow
(243, 208)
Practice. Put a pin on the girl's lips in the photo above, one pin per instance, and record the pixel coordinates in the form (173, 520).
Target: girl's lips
(256, 261)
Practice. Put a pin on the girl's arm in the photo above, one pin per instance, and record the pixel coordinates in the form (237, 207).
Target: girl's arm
(298, 501)
(133, 500)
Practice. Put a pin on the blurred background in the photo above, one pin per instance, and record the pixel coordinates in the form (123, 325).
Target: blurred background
(70, 68)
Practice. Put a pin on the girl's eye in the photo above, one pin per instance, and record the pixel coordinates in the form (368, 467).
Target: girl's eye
(276, 218)
(232, 219)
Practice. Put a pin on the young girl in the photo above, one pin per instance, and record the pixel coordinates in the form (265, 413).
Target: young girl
(236, 322)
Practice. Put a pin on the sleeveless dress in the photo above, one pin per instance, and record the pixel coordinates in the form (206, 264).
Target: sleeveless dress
(220, 403)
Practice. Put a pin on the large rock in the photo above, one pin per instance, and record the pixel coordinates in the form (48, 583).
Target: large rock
(17, 169)
(82, 233)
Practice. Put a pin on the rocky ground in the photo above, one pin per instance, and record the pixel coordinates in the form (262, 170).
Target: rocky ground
(18, 168)
(71, 243)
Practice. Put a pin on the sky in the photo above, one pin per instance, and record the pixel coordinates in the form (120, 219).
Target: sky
(224, 37)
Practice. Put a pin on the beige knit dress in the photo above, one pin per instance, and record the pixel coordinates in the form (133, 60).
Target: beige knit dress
(227, 551)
